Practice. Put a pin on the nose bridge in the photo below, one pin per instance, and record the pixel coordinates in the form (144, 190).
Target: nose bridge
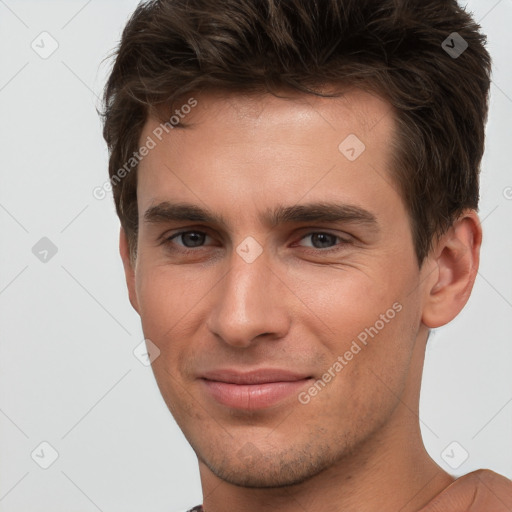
(248, 303)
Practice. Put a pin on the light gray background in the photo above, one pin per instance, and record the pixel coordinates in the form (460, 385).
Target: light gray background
(67, 372)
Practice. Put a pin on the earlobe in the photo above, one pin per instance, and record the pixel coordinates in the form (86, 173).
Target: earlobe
(456, 256)
(129, 270)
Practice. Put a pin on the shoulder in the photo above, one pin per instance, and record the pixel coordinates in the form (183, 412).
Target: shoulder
(479, 491)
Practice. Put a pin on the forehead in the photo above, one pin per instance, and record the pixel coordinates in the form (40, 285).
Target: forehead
(248, 148)
(289, 110)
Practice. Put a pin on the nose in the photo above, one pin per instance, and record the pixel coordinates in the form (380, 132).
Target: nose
(250, 302)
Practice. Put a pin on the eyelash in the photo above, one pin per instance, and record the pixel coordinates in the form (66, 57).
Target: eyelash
(187, 250)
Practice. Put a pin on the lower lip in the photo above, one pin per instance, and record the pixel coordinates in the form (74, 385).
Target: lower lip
(253, 396)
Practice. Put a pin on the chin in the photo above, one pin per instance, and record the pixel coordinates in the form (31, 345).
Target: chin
(274, 470)
(261, 477)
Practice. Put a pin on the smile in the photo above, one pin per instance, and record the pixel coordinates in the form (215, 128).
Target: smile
(254, 390)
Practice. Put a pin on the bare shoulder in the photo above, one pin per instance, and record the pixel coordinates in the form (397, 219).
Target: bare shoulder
(479, 491)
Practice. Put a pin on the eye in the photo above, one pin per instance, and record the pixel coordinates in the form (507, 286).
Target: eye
(321, 240)
(189, 239)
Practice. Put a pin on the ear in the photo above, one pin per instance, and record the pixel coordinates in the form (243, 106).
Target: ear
(452, 267)
(129, 270)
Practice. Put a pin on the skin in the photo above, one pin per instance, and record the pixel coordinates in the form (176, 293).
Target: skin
(357, 444)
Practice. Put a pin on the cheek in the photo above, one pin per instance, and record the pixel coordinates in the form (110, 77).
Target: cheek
(163, 303)
(370, 326)
(166, 304)
(378, 374)
(165, 295)
(173, 309)
(346, 300)
(155, 299)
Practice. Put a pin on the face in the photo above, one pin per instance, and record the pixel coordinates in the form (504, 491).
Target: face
(277, 276)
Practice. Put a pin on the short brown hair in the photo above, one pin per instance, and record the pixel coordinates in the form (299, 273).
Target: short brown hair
(393, 48)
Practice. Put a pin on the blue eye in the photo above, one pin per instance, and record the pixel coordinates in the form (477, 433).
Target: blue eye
(190, 239)
(322, 240)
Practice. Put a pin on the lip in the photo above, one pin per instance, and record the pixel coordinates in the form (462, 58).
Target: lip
(252, 390)
(260, 376)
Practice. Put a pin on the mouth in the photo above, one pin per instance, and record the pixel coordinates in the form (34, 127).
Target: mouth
(253, 390)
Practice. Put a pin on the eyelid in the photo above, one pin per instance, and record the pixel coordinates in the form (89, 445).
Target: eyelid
(166, 235)
(167, 238)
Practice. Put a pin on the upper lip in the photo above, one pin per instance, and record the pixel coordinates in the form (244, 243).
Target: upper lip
(260, 376)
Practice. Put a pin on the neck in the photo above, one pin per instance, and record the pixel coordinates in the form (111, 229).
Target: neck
(399, 477)
(390, 471)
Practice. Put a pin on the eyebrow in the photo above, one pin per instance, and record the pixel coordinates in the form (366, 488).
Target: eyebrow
(311, 212)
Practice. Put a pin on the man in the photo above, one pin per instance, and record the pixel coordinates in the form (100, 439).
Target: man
(297, 184)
